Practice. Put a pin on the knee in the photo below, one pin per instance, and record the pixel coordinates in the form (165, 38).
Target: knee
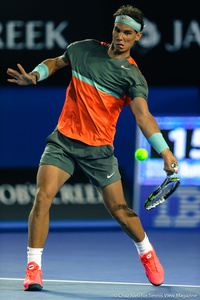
(123, 215)
(42, 201)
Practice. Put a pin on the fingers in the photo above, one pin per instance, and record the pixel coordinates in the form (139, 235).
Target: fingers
(174, 165)
(34, 81)
(176, 169)
(21, 69)
(32, 78)
(21, 78)
(12, 80)
(10, 70)
(13, 73)
(171, 169)
(170, 164)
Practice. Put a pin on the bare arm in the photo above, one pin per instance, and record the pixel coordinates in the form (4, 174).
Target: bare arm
(53, 65)
(149, 126)
(23, 78)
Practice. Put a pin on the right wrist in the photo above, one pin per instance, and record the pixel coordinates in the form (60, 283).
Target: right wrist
(165, 153)
(42, 71)
(35, 75)
(158, 142)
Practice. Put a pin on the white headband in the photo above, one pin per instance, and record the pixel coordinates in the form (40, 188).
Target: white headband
(124, 19)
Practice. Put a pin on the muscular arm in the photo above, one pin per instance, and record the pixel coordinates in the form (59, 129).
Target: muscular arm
(23, 78)
(149, 126)
(144, 119)
(53, 65)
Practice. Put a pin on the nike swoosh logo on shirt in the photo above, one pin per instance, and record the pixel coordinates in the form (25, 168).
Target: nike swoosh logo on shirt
(125, 68)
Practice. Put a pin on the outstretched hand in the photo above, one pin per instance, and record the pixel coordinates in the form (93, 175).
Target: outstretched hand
(21, 78)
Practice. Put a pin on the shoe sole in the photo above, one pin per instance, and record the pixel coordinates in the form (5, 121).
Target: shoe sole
(155, 284)
(34, 287)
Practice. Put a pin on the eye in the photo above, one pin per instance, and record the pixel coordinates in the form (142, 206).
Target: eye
(127, 32)
(117, 29)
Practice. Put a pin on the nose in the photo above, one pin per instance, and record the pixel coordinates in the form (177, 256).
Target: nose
(120, 36)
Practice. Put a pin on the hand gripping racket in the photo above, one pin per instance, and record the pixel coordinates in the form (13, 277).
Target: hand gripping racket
(167, 187)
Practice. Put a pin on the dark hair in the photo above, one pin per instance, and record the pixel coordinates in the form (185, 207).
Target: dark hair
(132, 12)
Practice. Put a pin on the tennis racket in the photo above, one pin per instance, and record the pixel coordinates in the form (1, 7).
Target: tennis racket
(167, 187)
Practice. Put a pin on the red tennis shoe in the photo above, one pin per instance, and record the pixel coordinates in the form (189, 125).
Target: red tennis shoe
(33, 280)
(153, 267)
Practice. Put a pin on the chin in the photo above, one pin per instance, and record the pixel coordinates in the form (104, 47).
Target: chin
(119, 51)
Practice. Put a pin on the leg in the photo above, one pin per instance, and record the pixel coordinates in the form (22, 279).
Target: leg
(130, 223)
(115, 203)
(49, 181)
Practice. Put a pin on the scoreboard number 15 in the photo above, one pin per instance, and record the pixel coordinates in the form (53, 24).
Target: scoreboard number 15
(186, 142)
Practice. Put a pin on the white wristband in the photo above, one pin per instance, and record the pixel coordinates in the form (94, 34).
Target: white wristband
(43, 71)
(158, 142)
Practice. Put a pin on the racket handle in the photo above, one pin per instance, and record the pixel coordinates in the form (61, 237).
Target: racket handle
(175, 167)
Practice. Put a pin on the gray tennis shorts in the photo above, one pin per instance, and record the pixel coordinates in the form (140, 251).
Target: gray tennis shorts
(97, 162)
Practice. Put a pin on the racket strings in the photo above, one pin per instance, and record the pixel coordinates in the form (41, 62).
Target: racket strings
(162, 193)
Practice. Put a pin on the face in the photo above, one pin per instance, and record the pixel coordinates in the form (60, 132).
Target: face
(124, 38)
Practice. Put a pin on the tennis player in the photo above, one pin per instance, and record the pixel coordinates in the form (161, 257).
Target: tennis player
(105, 78)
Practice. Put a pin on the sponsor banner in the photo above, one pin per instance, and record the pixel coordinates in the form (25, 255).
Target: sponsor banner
(33, 35)
(77, 199)
(49, 35)
(180, 210)
(167, 52)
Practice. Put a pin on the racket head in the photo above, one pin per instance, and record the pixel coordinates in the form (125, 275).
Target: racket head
(169, 185)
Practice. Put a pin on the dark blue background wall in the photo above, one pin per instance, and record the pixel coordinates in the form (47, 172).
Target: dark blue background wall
(29, 114)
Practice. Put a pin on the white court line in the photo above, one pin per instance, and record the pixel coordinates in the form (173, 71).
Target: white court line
(103, 282)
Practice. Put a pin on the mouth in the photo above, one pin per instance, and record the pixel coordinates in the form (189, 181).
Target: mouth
(119, 45)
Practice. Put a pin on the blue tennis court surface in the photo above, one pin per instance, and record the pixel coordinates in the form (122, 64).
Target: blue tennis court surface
(102, 264)
(97, 290)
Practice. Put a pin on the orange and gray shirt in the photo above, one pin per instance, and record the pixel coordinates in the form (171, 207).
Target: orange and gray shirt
(100, 87)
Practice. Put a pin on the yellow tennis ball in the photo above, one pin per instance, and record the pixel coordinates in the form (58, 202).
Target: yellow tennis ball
(141, 154)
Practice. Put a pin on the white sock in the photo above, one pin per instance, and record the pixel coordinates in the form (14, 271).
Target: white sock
(144, 246)
(35, 254)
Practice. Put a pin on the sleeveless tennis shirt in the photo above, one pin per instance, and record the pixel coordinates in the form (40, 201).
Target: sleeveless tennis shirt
(100, 87)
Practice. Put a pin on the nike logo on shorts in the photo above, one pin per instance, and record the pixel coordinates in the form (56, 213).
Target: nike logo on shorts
(108, 176)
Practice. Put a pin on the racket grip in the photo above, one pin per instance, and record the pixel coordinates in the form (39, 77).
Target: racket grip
(175, 167)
